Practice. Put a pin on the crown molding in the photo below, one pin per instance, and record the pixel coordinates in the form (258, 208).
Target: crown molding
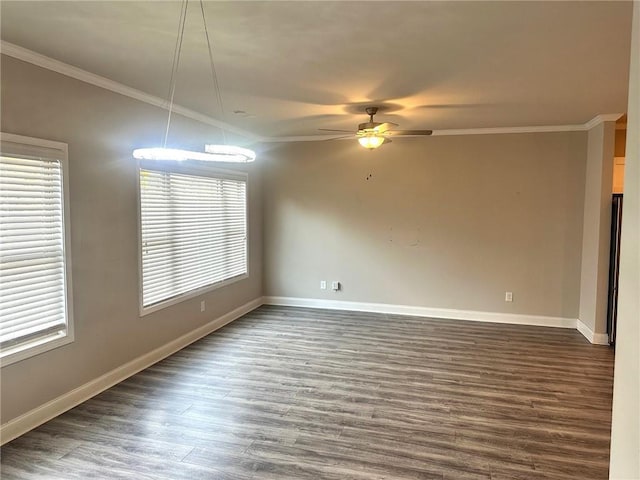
(469, 131)
(598, 119)
(43, 61)
(503, 130)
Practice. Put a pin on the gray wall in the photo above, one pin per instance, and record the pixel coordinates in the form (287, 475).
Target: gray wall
(625, 427)
(597, 227)
(101, 129)
(448, 222)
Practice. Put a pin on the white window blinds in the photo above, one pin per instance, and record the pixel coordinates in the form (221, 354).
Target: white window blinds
(193, 232)
(33, 305)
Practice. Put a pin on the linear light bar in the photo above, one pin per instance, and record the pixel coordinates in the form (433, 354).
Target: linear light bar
(214, 153)
(239, 154)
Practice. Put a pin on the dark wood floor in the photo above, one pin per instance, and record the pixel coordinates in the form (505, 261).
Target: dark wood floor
(288, 393)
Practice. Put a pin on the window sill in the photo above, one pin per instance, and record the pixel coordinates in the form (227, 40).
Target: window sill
(36, 347)
(186, 296)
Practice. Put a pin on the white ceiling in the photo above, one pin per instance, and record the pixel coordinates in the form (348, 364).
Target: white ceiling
(295, 67)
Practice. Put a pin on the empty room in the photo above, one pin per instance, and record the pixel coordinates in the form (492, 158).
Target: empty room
(320, 240)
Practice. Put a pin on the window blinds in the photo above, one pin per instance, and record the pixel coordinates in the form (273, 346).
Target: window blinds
(193, 232)
(32, 256)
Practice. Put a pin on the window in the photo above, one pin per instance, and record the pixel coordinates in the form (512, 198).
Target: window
(35, 275)
(193, 232)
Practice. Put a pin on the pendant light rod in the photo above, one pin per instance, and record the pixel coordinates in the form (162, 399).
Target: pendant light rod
(174, 68)
(214, 74)
(212, 153)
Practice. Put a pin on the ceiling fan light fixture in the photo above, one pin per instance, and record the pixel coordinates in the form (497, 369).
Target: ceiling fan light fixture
(374, 134)
(371, 141)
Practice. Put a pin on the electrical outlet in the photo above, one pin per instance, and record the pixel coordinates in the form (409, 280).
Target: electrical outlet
(508, 296)
(323, 284)
(335, 286)
(202, 306)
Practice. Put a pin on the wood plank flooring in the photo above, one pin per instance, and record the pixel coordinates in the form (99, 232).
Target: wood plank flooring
(292, 393)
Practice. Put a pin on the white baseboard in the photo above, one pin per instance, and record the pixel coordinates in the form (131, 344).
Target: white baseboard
(448, 313)
(30, 420)
(595, 338)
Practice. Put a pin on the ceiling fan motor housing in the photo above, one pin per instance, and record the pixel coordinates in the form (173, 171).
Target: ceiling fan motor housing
(368, 125)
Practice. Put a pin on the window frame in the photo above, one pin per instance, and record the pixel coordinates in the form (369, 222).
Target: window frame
(187, 167)
(22, 146)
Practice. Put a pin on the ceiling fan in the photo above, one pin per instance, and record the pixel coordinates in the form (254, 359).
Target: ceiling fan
(373, 134)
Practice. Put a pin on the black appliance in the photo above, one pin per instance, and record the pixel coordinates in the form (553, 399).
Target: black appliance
(614, 266)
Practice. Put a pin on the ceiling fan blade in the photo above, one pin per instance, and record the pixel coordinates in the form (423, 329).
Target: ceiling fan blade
(386, 140)
(338, 138)
(333, 130)
(409, 132)
(383, 127)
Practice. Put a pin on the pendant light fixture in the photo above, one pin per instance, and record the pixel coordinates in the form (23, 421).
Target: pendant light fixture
(212, 153)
